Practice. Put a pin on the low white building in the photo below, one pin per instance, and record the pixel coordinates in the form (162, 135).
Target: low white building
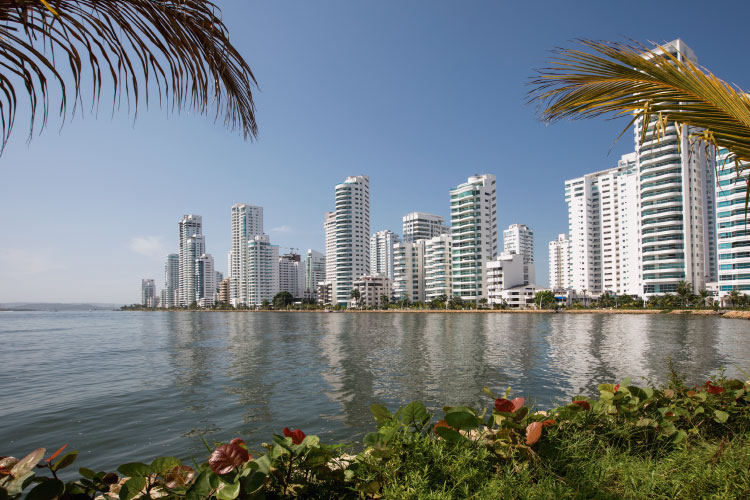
(519, 297)
(324, 293)
(372, 291)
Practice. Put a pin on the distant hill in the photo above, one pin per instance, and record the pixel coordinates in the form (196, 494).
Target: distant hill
(52, 306)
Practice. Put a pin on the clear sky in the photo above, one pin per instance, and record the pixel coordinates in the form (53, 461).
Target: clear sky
(418, 95)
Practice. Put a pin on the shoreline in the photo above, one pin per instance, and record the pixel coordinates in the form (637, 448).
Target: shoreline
(684, 312)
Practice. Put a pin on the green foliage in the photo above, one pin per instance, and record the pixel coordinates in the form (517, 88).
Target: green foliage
(630, 442)
(282, 299)
(545, 299)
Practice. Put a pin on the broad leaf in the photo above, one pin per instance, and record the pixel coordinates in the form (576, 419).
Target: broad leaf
(27, 463)
(132, 487)
(135, 469)
(533, 433)
(380, 412)
(65, 461)
(47, 490)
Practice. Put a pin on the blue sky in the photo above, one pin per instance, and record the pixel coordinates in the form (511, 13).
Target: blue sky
(418, 95)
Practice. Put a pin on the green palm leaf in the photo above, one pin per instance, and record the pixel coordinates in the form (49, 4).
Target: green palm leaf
(616, 79)
(178, 48)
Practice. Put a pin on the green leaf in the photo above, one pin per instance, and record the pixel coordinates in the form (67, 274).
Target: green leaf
(65, 461)
(46, 490)
(228, 491)
(253, 482)
(380, 412)
(309, 442)
(413, 413)
(163, 464)
(721, 416)
(201, 487)
(679, 437)
(449, 435)
(132, 487)
(459, 409)
(264, 464)
(487, 391)
(87, 473)
(135, 469)
(19, 483)
(373, 439)
(27, 463)
(607, 388)
(607, 395)
(461, 420)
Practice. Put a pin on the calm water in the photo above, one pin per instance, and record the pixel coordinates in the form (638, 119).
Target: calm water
(126, 386)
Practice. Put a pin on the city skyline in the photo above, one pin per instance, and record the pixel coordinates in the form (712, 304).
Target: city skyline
(441, 99)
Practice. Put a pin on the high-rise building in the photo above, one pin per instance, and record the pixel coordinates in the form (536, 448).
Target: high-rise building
(350, 229)
(677, 198)
(315, 272)
(474, 234)
(519, 239)
(291, 274)
(247, 222)
(262, 270)
(189, 226)
(734, 234)
(559, 263)
(409, 271)
(171, 281)
(224, 287)
(205, 281)
(194, 248)
(148, 293)
(381, 253)
(422, 226)
(603, 219)
(438, 268)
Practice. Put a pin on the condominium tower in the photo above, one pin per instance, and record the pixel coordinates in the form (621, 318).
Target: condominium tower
(734, 234)
(189, 227)
(408, 270)
(474, 234)
(381, 253)
(171, 281)
(291, 274)
(247, 222)
(315, 272)
(422, 226)
(438, 268)
(677, 202)
(559, 263)
(148, 293)
(262, 270)
(519, 239)
(348, 235)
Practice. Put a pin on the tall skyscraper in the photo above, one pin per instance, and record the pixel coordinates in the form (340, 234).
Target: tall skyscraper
(559, 263)
(171, 281)
(247, 222)
(408, 270)
(190, 226)
(195, 247)
(422, 226)
(474, 234)
(519, 239)
(205, 281)
(381, 253)
(348, 236)
(677, 197)
(262, 270)
(603, 210)
(734, 234)
(315, 272)
(291, 274)
(148, 293)
(438, 267)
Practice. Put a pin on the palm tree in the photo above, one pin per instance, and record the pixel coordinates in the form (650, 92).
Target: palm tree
(703, 293)
(684, 291)
(179, 47)
(734, 298)
(355, 295)
(631, 80)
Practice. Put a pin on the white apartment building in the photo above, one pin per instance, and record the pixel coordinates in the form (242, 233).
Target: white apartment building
(559, 263)
(262, 270)
(438, 268)
(195, 247)
(247, 222)
(409, 271)
(205, 281)
(474, 233)
(507, 270)
(324, 292)
(381, 252)
(171, 281)
(423, 226)
(603, 225)
(374, 291)
(352, 236)
(519, 239)
(148, 293)
(315, 272)
(189, 226)
(677, 202)
(734, 234)
(292, 275)
(329, 226)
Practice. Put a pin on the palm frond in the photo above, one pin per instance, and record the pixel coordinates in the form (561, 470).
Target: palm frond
(181, 46)
(617, 79)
